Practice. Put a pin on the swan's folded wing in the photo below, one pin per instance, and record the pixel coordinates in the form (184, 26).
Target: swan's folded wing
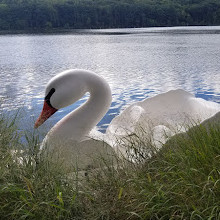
(126, 122)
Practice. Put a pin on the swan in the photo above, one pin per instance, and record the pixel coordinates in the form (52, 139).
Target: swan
(71, 138)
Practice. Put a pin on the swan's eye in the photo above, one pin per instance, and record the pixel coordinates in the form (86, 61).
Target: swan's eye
(47, 98)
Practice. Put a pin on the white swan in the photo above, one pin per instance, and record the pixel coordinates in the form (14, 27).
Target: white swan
(69, 137)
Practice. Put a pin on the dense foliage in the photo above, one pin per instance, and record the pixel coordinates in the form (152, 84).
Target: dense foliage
(181, 181)
(47, 14)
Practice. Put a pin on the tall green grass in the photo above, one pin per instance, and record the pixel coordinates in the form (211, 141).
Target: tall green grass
(181, 181)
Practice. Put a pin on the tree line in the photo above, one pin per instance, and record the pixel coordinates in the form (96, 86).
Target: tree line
(48, 14)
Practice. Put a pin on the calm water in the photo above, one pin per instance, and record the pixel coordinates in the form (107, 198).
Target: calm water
(137, 63)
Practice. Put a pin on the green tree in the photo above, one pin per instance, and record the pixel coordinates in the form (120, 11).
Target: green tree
(44, 14)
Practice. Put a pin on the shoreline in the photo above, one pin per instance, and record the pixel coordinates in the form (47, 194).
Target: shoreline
(150, 29)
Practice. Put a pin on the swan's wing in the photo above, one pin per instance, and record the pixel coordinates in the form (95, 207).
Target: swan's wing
(177, 108)
(155, 111)
(171, 112)
(126, 122)
(202, 109)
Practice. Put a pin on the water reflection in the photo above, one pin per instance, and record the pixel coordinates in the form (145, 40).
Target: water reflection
(139, 63)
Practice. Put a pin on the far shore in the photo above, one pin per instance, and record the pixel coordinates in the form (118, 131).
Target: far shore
(96, 30)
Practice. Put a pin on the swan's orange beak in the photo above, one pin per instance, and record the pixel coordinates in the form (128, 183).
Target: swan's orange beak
(45, 114)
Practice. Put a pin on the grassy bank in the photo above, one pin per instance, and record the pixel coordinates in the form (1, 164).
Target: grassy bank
(182, 181)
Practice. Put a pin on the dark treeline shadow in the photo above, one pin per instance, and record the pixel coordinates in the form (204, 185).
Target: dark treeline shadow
(65, 14)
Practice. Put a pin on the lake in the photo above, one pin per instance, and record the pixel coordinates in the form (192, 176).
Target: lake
(137, 63)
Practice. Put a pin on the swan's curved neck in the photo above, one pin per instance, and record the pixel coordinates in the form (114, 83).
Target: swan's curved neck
(77, 124)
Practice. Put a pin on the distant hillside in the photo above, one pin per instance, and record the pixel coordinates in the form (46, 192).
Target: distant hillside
(48, 14)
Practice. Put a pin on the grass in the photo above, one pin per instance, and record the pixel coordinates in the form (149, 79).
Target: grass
(181, 181)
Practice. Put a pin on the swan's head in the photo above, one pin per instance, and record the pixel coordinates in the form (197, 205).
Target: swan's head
(61, 91)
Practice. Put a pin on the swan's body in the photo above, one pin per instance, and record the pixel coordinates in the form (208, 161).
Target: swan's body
(70, 136)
